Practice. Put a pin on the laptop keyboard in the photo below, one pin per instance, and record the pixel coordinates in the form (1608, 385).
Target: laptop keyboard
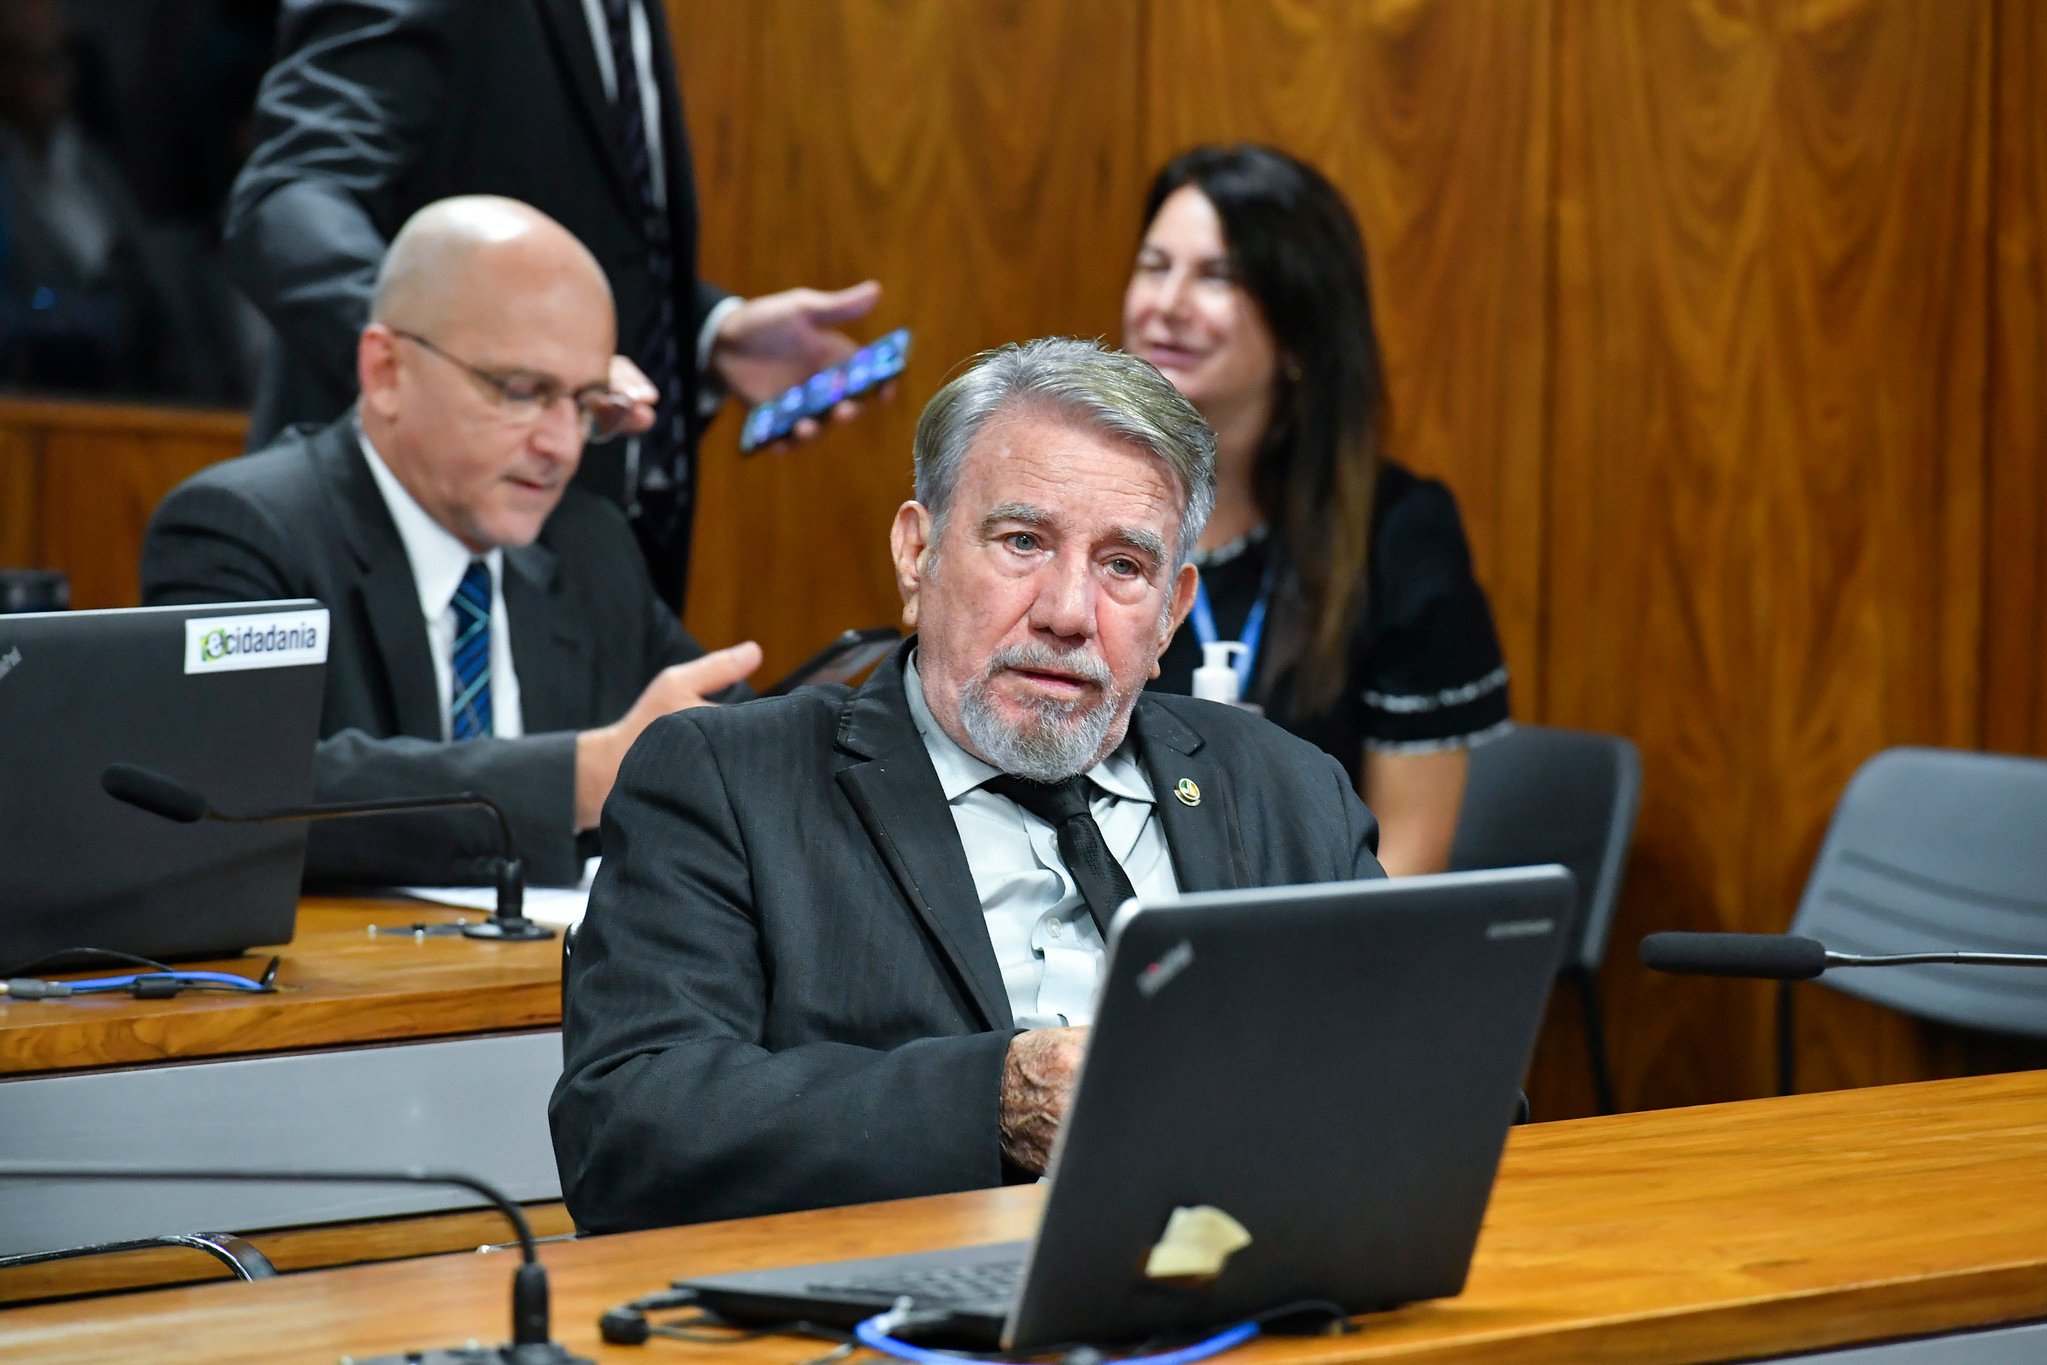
(988, 1282)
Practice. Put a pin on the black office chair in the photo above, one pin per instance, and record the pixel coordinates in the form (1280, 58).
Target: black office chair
(33, 590)
(1544, 795)
(1933, 849)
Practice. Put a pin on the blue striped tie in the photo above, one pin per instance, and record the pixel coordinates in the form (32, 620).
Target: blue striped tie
(469, 710)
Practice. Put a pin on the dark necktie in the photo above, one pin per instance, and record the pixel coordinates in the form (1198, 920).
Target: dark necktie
(469, 714)
(1064, 806)
(663, 494)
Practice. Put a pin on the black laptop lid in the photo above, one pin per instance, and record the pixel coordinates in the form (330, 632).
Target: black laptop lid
(225, 698)
(1342, 1090)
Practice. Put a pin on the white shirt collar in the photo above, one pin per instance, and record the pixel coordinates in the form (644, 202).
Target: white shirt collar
(438, 559)
(959, 772)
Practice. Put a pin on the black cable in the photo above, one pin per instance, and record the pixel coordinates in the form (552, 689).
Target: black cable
(835, 1355)
(1334, 1317)
(689, 1329)
(629, 1325)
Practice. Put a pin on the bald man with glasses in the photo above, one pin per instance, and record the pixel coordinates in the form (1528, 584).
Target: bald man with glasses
(493, 629)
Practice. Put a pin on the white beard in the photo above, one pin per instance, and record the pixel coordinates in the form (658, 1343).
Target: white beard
(1056, 739)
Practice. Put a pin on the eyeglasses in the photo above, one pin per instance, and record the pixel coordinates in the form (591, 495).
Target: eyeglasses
(529, 397)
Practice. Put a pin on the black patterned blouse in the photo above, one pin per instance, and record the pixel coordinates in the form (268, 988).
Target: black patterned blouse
(1425, 665)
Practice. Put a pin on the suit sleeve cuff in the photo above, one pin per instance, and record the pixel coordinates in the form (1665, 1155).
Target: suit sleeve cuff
(710, 393)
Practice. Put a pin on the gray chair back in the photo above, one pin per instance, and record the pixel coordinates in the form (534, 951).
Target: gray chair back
(1543, 795)
(1938, 849)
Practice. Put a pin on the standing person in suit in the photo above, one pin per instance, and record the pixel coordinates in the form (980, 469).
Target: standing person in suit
(376, 107)
(493, 629)
(845, 944)
(1346, 576)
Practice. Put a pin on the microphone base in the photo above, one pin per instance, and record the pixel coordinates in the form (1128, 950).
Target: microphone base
(541, 1353)
(520, 930)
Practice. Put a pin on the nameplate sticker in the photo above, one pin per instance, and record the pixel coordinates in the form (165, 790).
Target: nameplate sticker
(282, 639)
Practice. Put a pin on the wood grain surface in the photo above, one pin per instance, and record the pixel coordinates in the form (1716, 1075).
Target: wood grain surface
(289, 1249)
(1726, 322)
(1433, 119)
(981, 160)
(78, 482)
(338, 986)
(1766, 506)
(2015, 595)
(1700, 1234)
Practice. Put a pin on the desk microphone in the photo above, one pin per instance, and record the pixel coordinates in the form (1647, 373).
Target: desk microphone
(532, 1341)
(1788, 957)
(173, 800)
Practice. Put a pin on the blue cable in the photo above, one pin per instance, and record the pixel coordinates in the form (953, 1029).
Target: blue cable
(873, 1333)
(122, 983)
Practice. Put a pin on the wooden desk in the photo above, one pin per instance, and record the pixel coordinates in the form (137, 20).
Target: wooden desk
(1681, 1235)
(387, 1051)
(338, 987)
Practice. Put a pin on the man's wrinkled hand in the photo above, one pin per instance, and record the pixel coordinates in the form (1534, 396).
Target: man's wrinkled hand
(1037, 1085)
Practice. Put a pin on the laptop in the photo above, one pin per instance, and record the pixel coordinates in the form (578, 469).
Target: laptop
(224, 698)
(1334, 1068)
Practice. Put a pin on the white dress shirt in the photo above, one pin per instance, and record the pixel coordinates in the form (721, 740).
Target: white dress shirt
(1045, 940)
(438, 562)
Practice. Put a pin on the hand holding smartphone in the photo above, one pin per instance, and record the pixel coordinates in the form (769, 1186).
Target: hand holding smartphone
(867, 368)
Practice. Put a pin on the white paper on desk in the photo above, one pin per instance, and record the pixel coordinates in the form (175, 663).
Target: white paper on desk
(558, 905)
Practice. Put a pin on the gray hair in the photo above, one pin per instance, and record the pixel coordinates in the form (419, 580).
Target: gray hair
(1107, 390)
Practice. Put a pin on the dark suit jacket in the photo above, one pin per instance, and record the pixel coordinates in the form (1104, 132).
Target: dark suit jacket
(305, 519)
(784, 995)
(376, 108)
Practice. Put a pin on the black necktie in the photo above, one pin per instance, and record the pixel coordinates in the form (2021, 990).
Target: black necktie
(664, 476)
(1064, 806)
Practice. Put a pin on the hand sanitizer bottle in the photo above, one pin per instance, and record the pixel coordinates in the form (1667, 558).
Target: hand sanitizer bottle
(1216, 679)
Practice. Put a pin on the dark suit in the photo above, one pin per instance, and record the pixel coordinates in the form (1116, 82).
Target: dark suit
(305, 519)
(784, 995)
(376, 108)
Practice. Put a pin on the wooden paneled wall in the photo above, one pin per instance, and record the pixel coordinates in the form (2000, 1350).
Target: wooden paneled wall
(78, 482)
(1725, 320)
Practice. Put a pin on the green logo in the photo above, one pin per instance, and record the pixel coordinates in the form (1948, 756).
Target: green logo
(214, 646)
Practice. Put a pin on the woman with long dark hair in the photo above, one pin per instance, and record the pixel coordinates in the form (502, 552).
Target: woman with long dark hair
(1346, 576)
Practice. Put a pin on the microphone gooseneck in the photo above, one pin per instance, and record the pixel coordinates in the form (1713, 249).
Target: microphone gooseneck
(531, 1333)
(1919, 959)
(152, 791)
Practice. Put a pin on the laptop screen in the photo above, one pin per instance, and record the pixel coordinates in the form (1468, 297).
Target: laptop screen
(224, 698)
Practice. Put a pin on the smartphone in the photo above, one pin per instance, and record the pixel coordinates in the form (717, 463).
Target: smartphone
(843, 660)
(869, 367)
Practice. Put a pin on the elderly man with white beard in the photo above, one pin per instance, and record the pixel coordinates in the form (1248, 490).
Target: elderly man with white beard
(846, 944)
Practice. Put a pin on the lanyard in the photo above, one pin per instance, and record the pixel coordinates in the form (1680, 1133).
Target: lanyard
(1203, 620)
